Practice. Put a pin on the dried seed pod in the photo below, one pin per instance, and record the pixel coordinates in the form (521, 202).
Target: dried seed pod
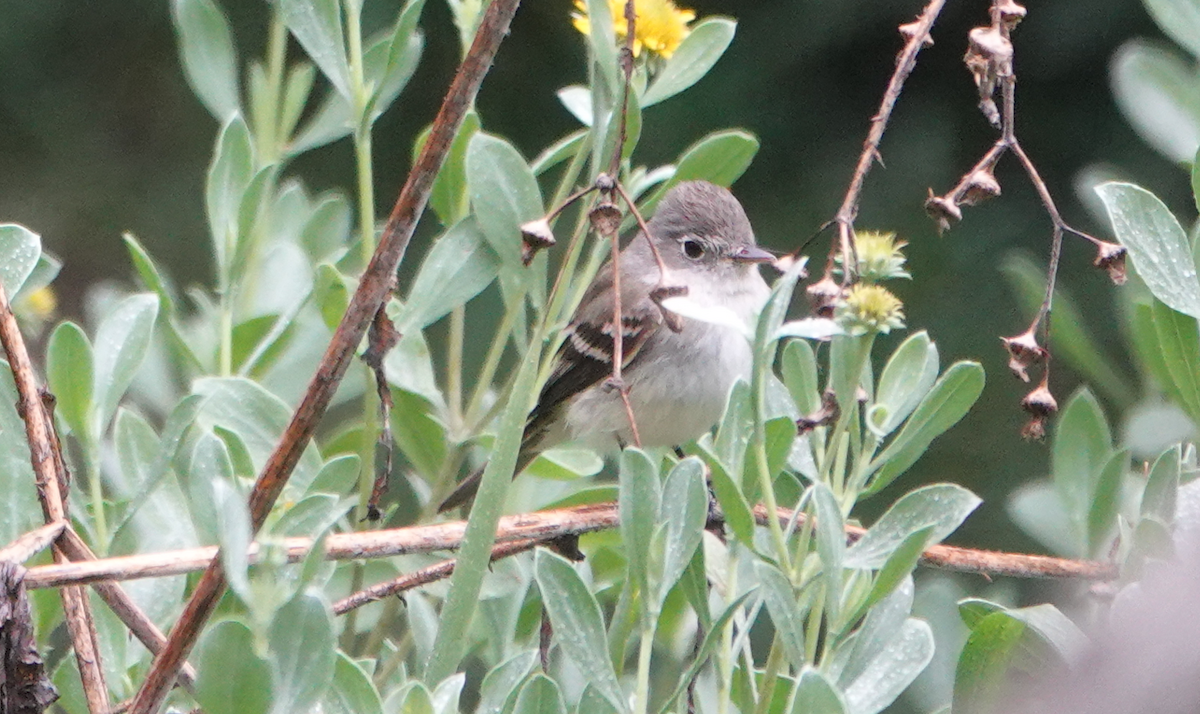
(605, 218)
(1111, 257)
(943, 211)
(1011, 13)
(1040, 404)
(1023, 353)
(988, 58)
(535, 235)
(826, 414)
(981, 185)
(824, 295)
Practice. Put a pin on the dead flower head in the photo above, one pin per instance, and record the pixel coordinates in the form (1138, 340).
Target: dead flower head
(1111, 257)
(535, 235)
(1040, 404)
(981, 185)
(605, 218)
(1023, 352)
(943, 211)
(823, 295)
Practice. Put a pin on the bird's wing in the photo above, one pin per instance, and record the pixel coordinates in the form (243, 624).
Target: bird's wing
(585, 358)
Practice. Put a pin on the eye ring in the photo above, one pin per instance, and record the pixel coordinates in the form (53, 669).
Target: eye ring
(693, 249)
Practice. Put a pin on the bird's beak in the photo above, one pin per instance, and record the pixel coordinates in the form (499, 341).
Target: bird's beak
(751, 254)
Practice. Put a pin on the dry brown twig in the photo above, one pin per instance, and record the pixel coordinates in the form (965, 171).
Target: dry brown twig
(990, 57)
(47, 468)
(373, 289)
(524, 530)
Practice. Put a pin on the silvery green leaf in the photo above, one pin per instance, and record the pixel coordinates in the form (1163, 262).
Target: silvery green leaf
(712, 314)
(19, 252)
(809, 328)
(302, 652)
(1158, 92)
(317, 26)
(207, 54)
(578, 100)
(943, 506)
(459, 266)
(1157, 244)
(122, 341)
(694, 57)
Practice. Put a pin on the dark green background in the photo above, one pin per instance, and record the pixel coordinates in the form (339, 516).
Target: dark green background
(99, 133)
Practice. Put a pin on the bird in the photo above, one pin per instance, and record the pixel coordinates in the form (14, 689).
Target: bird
(677, 371)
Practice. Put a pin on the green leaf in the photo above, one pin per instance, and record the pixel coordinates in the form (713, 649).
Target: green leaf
(413, 698)
(296, 91)
(831, 546)
(734, 505)
(1179, 351)
(504, 193)
(540, 695)
(419, 434)
(780, 597)
(720, 158)
(331, 293)
(899, 565)
(327, 229)
(258, 418)
(448, 197)
(207, 54)
(984, 663)
(684, 511)
(906, 379)
(1157, 244)
(1157, 90)
(892, 670)
(230, 677)
(337, 476)
(458, 266)
(391, 61)
(1102, 516)
(20, 249)
(233, 533)
(694, 57)
(317, 26)
(799, 369)
(943, 506)
(148, 272)
(19, 510)
(122, 341)
(229, 174)
(69, 372)
(816, 695)
(1082, 447)
(500, 684)
(639, 500)
(1180, 19)
(947, 402)
(578, 625)
(1162, 486)
(563, 463)
(351, 691)
(558, 152)
(302, 646)
(603, 42)
(712, 637)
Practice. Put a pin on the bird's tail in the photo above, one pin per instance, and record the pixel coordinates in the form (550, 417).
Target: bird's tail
(464, 493)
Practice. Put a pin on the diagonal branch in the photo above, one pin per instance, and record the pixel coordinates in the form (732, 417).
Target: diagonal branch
(47, 469)
(372, 290)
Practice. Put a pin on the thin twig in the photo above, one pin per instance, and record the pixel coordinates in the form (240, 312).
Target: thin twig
(30, 544)
(918, 37)
(424, 576)
(47, 462)
(539, 526)
(373, 289)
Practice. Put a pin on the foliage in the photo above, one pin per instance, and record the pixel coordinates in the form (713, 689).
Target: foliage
(173, 400)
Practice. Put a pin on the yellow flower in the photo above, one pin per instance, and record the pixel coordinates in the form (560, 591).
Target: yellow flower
(660, 26)
(39, 304)
(879, 256)
(870, 308)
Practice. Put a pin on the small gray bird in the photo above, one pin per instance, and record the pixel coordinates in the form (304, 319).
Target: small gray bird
(677, 380)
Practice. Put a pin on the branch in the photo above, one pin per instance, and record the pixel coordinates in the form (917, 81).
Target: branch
(917, 34)
(525, 530)
(372, 290)
(31, 543)
(48, 470)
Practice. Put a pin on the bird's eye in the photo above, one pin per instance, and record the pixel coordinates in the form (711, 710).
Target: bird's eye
(693, 249)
